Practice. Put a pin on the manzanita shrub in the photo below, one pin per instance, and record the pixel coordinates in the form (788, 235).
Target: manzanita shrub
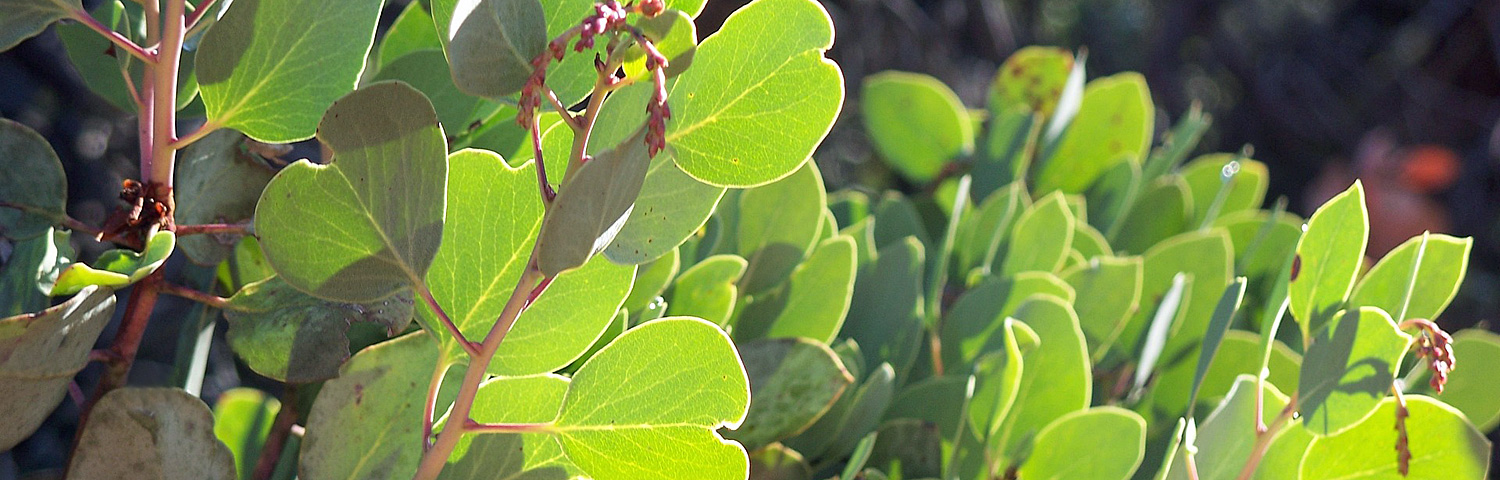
(622, 264)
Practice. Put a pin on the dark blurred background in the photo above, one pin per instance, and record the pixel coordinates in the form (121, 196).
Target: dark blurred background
(1404, 94)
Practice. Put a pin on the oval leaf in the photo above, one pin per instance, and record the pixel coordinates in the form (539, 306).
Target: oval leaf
(364, 423)
(1115, 438)
(491, 44)
(294, 337)
(374, 217)
(1349, 369)
(1443, 445)
(40, 353)
(32, 180)
(916, 122)
(1328, 258)
(793, 382)
(162, 433)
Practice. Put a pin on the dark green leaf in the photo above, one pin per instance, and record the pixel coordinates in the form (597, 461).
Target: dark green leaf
(32, 180)
(294, 337)
(793, 382)
(218, 181)
(39, 354)
(354, 428)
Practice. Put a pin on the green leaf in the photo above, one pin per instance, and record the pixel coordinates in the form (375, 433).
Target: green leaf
(169, 432)
(293, 337)
(1109, 292)
(1161, 211)
(1056, 380)
(374, 217)
(1349, 369)
(591, 206)
(617, 326)
(1218, 325)
(674, 35)
(1041, 238)
(1009, 148)
(354, 430)
(89, 52)
(1443, 445)
(1225, 440)
(562, 323)
(997, 377)
(1245, 190)
(529, 456)
(1239, 354)
(815, 301)
(116, 268)
(247, 265)
(28, 275)
(1206, 258)
(1033, 77)
(427, 71)
(778, 226)
(896, 218)
(32, 180)
(1178, 143)
(1328, 258)
(491, 43)
(776, 462)
(912, 447)
(218, 181)
(269, 68)
(412, 31)
(793, 382)
(760, 96)
(671, 207)
(974, 326)
(478, 265)
(27, 18)
(39, 354)
(983, 233)
(652, 279)
(885, 315)
(934, 400)
(1472, 389)
(1114, 438)
(851, 418)
(1284, 457)
(916, 122)
(242, 419)
(1261, 256)
(707, 290)
(690, 368)
(1113, 124)
(1111, 196)
(1397, 284)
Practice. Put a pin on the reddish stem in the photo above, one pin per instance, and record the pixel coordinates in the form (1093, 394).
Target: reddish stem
(194, 295)
(114, 37)
(242, 228)
(197, 13)
(127, 340)
(281, 428)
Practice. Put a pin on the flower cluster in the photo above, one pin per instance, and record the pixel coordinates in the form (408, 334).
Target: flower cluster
(657, 109)
(608, 15)
(1437, 347)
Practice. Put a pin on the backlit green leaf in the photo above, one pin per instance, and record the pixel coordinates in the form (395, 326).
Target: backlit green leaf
(707, 290)
(1113, 124)
(691, 370)
(242, 419)
(1205, 179)
(1032, 77)
(1390, 286)
(1349, 369)
(412, 31)
(760, 95)
(1041, 238)
(1162, 210)
(1328, 258)
(778, 226)
(974, 325)
(527, 456)
(916, 122)
(1472, 388)
(1055, 381)
(269, 68)
(815, 300)
(1443, 445)
(1114, 437)
(373, 218)
(1225, 439)
(1109, 292)
(354, 429)
(117, 268)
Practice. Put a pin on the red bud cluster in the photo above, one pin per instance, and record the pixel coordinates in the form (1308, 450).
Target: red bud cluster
(652, 8)
(657, 109)
(1437, 347)
(608, 15)
(1403, 444)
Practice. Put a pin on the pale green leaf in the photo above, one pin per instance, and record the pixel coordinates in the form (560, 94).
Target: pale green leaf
(916, 122)
(39, 354)
(169, 434)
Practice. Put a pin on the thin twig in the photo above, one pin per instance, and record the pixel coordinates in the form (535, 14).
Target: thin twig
(197, 13)
(242, 228)
(431, 407)
(114, 37)
(270, 451)
(127, 340)
(195, 295)
(1263, 439)
(63, 220)
(202, 131)
(426, 294)
(567, 116)
(541, 167)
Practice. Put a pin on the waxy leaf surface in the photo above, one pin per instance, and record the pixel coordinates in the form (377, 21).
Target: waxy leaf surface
(1328, 258)
(269, 68)
(39, 354)
(1390, 286)
(368, 224)
(32, 178)
(117, 268)
(1443, 446)
(1114, 437)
